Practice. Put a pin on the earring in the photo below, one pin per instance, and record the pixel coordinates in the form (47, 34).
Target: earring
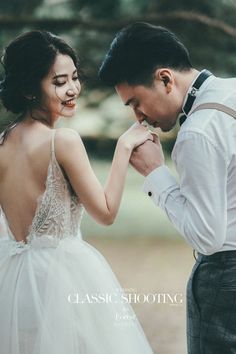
(31, 98)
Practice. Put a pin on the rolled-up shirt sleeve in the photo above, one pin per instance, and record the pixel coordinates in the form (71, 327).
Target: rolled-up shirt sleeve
(197, 204)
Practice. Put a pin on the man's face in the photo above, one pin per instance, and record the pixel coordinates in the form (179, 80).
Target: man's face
(159, 105)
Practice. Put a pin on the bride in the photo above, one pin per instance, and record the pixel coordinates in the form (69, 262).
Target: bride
(58, 294)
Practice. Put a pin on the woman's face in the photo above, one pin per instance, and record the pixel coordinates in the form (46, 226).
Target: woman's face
(60, 88)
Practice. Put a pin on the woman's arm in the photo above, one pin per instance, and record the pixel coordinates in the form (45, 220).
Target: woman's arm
(101, 203)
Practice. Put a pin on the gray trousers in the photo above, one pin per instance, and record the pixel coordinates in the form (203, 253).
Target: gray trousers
(211, 305)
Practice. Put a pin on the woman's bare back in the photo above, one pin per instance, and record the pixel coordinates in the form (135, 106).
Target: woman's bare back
(24, 161)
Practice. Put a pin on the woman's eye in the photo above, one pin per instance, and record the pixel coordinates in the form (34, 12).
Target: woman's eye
(59, 83)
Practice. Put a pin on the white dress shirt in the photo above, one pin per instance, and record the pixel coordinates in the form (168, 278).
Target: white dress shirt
(202, 205)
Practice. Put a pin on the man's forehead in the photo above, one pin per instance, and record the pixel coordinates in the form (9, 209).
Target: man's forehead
(125, 91)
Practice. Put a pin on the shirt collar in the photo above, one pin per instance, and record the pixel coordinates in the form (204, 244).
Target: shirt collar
(192, 91)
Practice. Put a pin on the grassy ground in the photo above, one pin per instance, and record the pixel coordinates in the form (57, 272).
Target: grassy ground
(153, 266)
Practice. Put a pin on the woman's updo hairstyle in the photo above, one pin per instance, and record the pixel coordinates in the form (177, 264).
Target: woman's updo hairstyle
(27, 61)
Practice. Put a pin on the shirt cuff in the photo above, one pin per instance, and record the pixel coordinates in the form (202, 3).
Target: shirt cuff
(159, 181)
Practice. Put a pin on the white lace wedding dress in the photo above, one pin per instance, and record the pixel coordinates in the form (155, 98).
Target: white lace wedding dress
(58, 295)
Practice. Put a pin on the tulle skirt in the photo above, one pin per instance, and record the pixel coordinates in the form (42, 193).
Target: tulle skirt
(64, 299)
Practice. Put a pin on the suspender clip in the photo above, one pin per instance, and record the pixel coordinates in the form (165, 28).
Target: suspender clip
(193, 91)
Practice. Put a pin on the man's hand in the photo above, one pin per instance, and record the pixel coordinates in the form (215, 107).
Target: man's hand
(148, 156)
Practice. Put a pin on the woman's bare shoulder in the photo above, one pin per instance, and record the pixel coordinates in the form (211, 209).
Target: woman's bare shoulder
(67, 143)
(66, 134)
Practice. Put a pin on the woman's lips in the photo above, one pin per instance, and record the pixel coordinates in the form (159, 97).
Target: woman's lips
(69, 103)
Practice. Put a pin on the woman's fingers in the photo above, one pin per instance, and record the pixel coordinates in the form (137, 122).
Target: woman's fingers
(155, 137)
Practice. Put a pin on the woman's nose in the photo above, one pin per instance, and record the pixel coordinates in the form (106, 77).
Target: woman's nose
(70, 92)
(74, 89)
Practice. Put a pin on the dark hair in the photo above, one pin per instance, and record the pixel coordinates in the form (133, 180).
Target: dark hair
(27, 61)
(138, 50)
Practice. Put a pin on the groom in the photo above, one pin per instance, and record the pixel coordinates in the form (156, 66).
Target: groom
(152, 73)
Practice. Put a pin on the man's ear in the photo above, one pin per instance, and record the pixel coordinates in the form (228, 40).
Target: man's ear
(165, 75)
(165, 80)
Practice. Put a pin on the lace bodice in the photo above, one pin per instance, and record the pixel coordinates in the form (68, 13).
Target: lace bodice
(58, 213)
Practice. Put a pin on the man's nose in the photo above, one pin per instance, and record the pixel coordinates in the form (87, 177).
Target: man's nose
(140, 115)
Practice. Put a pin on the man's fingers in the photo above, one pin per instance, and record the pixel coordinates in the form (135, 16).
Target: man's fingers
(132, 162)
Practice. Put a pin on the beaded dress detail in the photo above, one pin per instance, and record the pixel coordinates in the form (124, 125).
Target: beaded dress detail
(58, 295)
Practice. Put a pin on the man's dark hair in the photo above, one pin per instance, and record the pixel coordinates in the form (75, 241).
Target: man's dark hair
(138, 50)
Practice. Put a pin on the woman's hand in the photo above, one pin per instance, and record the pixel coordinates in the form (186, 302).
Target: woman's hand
(136, 135)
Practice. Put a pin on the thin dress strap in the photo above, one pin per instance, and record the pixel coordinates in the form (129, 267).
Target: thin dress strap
(53, 143)
(53, 155)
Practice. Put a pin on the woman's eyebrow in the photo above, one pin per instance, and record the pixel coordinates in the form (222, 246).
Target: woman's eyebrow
(63, 75)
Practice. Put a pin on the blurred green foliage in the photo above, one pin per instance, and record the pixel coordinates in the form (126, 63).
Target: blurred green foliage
(18, 7)
(91, 24)
(206, 27)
